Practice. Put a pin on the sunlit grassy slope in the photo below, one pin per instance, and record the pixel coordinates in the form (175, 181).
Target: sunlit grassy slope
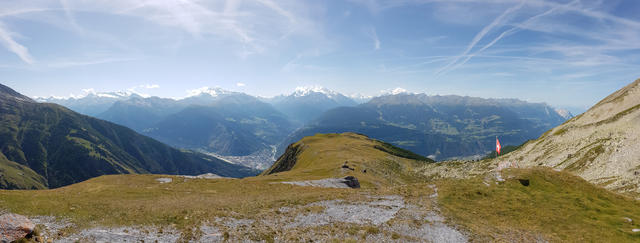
(14, 176)
(374, 163)
(141, 200)
(556, 206)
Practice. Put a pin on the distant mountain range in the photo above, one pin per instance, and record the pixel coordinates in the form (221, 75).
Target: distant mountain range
(91, 104)
(441, 127)
(252, 131)
(140, 113)
(308, 103)
(230, 125)
(226, 124)
(47, 145)
(235, 125)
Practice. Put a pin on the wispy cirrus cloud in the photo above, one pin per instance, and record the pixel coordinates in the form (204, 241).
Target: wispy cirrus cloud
(87, 62)
(149, 86)
(496, 22)
(252, 26)
(607, 39)
(8, 41)
(524, 24)
(371, 32)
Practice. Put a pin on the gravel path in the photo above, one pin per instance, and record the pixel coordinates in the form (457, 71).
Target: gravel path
(122, 234)
(371, 213)
(394, 220)
(327, 183)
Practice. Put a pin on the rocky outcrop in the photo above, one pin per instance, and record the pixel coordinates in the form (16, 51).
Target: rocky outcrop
(352, 182)
(602, 145)
(14, 227)
(347, 182)
(286, 160)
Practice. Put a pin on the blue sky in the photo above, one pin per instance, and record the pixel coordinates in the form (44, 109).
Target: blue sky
(566, 53)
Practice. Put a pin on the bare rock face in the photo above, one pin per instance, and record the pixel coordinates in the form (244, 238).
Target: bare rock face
(286, 160)
(351, 182)
(601, 145)
(14, 227)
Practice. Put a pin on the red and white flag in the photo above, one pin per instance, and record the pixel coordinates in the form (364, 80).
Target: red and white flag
(498, 147)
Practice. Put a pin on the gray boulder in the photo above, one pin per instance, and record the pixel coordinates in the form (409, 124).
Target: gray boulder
(14, 227)
(352, 182)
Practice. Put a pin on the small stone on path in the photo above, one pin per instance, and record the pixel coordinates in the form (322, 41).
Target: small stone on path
(164, 180)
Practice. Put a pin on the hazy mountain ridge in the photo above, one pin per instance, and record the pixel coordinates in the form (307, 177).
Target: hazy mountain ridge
(213, 120)
(307, 103)
(140, 113)
(92, 104)
(64, 147)
(234, 125)
(438, 126)
(206, 96)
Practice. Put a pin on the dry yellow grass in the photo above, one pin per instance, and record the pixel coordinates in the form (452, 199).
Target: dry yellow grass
(116, 200)
(323, 155)
(556, 206)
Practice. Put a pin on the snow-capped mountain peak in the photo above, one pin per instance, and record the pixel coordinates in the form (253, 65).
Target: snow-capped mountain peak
(91, 102)
(46, 99)
(360, 98)
(307, 90)
(209, 91)
(112, 94)
(213, 92)
(116, 94)
(91, 93)
(395, 91)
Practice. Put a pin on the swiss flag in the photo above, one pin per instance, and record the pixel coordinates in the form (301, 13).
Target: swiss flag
(498, 147)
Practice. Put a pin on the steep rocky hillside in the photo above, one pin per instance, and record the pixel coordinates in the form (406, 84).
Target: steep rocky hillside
(602, 145)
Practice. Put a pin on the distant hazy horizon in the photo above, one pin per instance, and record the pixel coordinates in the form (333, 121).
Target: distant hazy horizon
(358, 98)
(569, 54)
